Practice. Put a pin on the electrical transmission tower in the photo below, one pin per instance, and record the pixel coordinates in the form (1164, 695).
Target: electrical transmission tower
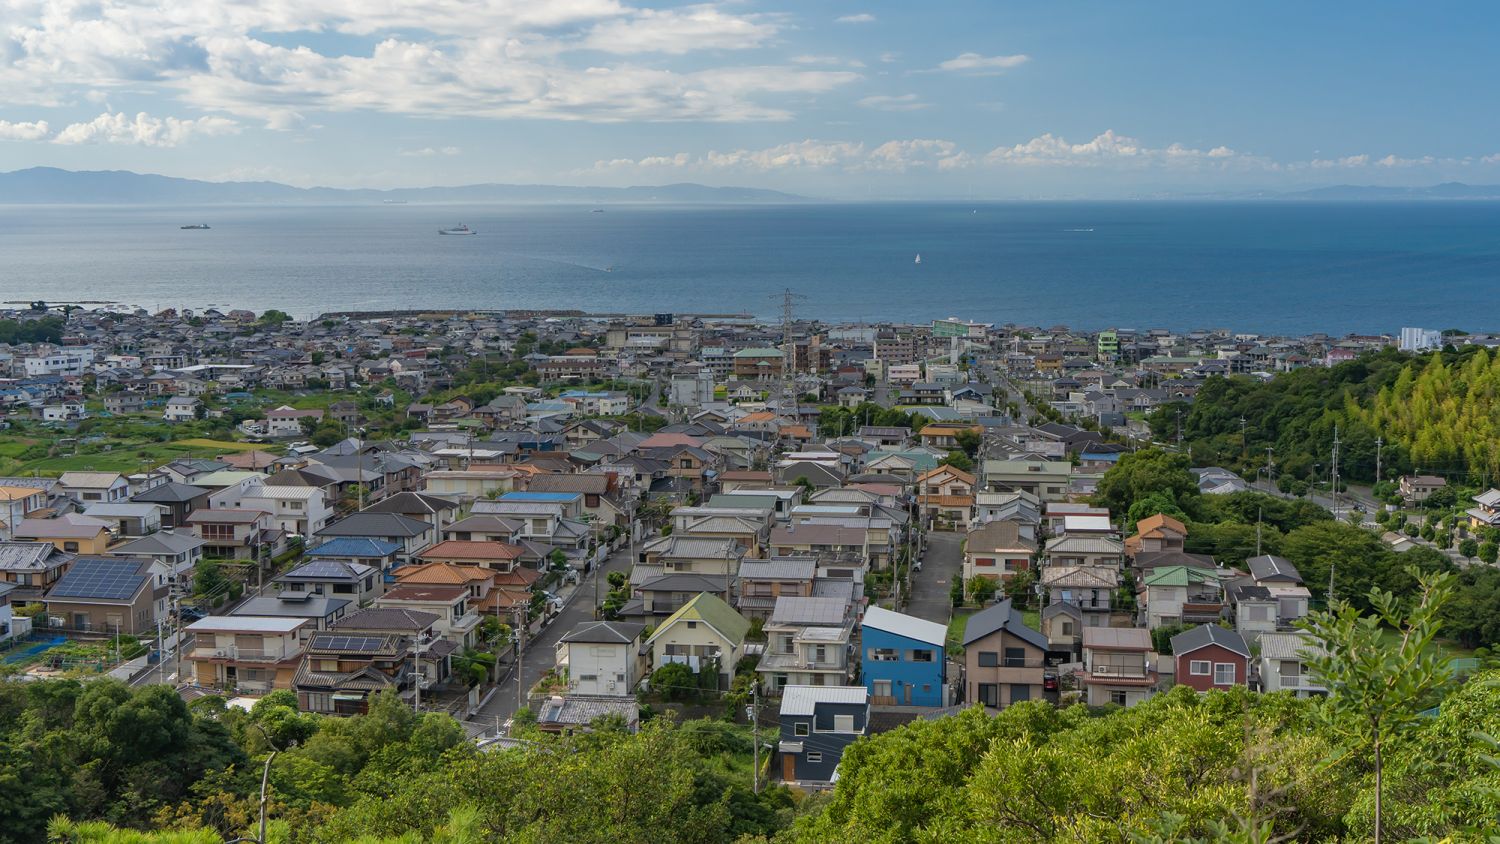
(788, 354)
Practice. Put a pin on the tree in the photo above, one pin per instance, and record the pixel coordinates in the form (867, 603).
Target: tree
(1376, 690)
(675, 681)
(1468, 547)
(969, 440)
(983, 589)
(1488, 552)
(1148, 472)
(958, 460)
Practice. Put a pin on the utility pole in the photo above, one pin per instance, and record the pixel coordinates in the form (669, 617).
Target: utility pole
(1333, 567)
(1379, 441)
(1259, 511)
(521, 613)
(1244, 443)
(755, 736)
(1334, 471)
(1179, 429)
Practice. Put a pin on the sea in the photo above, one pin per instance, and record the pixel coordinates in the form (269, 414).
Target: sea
(1270, 267)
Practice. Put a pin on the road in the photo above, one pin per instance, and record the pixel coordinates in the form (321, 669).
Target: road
(930, 596)
(541, 652)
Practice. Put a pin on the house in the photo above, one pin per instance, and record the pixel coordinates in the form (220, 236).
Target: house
(1090, 588)
(603, 658)
(298, 510)
(706, 634)
(1211, 657)
(1062, 624)
(32, 568)
(1047, 480)
(246, 655)
(126, 518)
(178, 553)
(339, 671)
(1085, 549)
(321, 612)
(16, 502)
(437, 509)
(71, 532)
(109, 595)
(285, 421)
(411, 534)
(233, 534)
(1415, 489)
(1003, 658)
(11, 625)
(572, 712)
(1282, 664)
(763, 581)
(456, 618)
(1486, 513)
(182, 409)
(1115, 665)
(996, 550)
(375, 553)
(946, 496)
(817, 724)
(665, 594)
(87, 488)
(808, 643)
(1156, 533)
(176, 501)
(1284, 582)
(905, 659)
(356, 581)
(1179, 595)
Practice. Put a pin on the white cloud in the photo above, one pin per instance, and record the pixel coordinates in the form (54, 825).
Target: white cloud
(974, 63)
(889, 57)
(898, 102)
(35, 131)
(1107, 148)
(900, 156)
(561, 59)
(428, 152)
(1490, 159)
(810, 154)
(862, 17)
(142, 129)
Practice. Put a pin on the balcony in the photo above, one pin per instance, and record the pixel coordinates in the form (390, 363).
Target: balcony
(464, 623)
(1202, 612)
(1299, 683)
(234, 654)
(798, 662)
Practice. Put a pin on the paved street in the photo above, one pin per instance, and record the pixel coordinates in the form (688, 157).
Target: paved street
(541, 652)
(930, 597)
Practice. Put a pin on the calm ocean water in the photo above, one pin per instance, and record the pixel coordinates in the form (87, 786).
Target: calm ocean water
(1262, 266)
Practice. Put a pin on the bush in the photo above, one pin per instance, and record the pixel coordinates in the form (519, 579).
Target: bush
(983, 589)
(675, 681)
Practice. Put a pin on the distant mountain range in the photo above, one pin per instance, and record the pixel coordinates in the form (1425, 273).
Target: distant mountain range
(1446, 190)
(110, 187)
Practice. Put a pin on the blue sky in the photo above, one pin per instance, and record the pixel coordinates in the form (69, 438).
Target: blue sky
(838, 99)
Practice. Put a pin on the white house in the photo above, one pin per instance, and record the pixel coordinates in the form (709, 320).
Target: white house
(181, 409)
(603, 657)
(286, 421)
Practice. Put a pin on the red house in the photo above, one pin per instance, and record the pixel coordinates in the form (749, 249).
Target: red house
(1211, 657)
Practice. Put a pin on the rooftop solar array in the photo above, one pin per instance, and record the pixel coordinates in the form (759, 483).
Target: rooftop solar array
(350, 644)
(92, 578)
(321, 568)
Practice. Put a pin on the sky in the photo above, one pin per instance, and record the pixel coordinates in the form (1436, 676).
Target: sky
(838, 99)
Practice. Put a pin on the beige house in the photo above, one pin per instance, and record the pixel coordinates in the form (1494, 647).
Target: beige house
(248, 654)
(997, 551)
(706, 634)
(1003, 658)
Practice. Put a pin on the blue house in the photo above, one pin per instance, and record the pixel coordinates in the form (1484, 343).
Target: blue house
(904, 661)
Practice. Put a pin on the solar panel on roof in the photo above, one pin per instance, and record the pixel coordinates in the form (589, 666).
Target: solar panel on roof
(351, 644)
(320, 568)
(107, 579)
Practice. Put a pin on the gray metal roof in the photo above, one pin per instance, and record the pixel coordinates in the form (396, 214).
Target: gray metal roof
(605, 632)
(1001, 616)
(907, 626)
(803, 700)
(798, 610)
(1271, 567)
(1209, 634)
(1288, 645)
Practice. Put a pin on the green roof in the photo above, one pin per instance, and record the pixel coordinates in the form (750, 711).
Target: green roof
(1179, 576)
(713, 612)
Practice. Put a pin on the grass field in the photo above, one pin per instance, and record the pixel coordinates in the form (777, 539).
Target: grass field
(126, 457)
(221, 445)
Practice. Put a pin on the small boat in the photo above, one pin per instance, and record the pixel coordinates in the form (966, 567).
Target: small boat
(392, 202)
(194, 226)
(598, 210)
(458, 229)
(919, 258)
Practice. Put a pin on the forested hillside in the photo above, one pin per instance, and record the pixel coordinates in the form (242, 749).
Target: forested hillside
(1438, 413)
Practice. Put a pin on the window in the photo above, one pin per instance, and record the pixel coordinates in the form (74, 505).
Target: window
(984, 562)
(588, 678)
(843, 723)
(988, 659)
(1067, 628)
(884, 655)
(921, 655)
(1015, 657)
(800, 728)
(692, 625)
(814, 756)
(1117, 698)
(70, 547)
(1223, 674)
(1019, 692)
(989, 694)
(1198, 668)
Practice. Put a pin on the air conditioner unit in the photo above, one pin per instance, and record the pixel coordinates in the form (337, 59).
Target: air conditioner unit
(610, 685)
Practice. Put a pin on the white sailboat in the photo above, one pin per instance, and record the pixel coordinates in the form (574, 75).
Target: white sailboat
(919, 258)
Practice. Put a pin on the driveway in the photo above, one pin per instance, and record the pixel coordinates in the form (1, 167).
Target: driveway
(930, 598)
(541, 651)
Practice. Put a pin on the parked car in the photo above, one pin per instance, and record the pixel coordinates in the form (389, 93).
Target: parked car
(188, 613)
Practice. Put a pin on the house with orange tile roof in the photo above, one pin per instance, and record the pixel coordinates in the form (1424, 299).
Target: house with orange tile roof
(1156, 533)
(499, 556)
(946, 496)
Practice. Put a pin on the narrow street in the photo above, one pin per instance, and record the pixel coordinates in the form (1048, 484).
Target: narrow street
(540, 652)
(930, 596)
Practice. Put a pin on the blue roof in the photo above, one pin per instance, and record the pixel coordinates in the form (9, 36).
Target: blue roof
(353, 546)
(539, 496)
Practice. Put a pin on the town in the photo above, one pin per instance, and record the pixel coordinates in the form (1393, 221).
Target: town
(543, 521)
